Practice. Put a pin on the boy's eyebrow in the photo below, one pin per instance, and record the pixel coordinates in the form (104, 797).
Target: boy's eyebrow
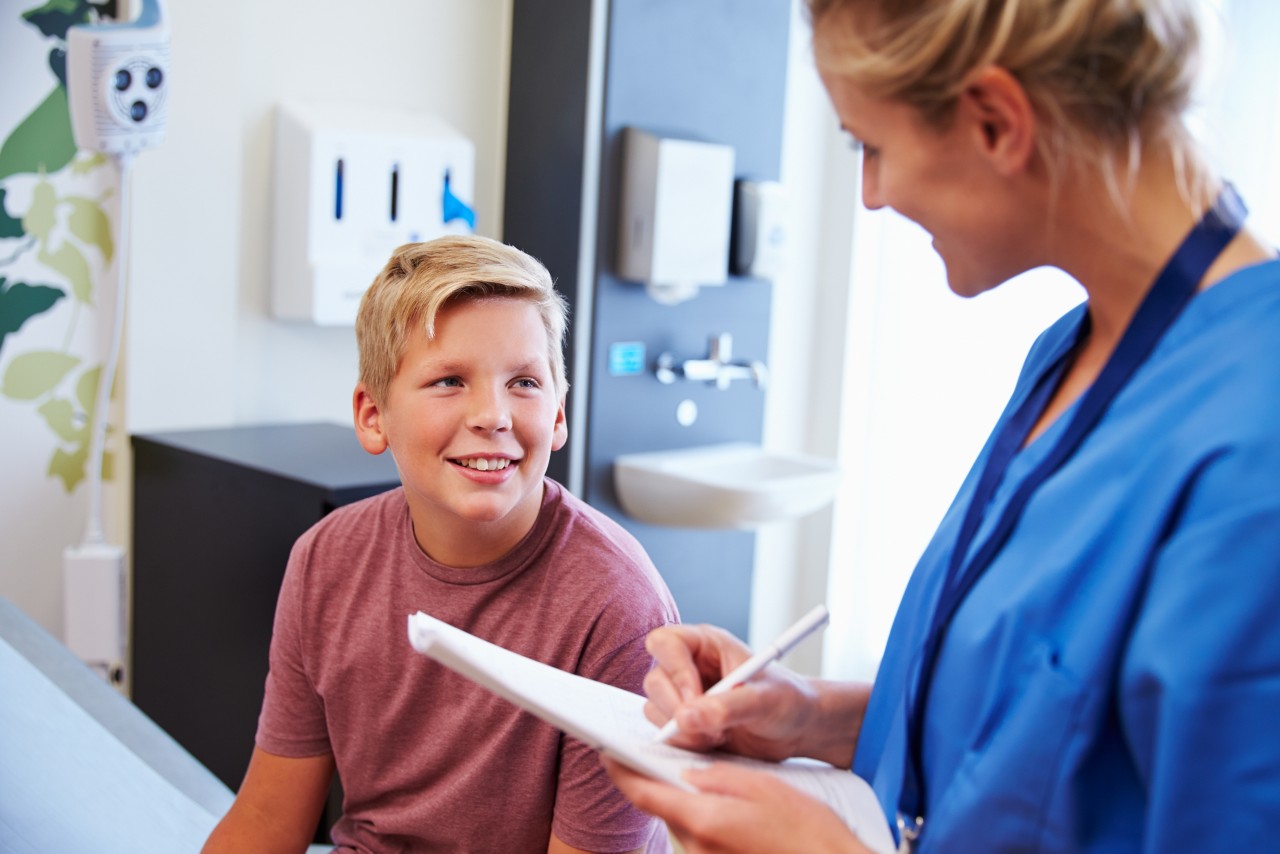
(454, 366)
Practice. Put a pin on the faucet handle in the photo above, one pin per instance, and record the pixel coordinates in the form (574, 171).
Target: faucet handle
(666, 370)
(721, 348)
(759, 374)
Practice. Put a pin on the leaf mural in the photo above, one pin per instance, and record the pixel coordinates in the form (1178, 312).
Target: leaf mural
(73, 427)
(33, 375)
(69, 467)
(64, 228)
(9, 227)
(43, 142)
(70, 262)
(87, 390)
(85, 165)
(63, 420)
(42, 213)
(55, 17)
(20, 302)
(89, 223)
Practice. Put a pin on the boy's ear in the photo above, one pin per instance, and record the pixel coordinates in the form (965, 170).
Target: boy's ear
(1002, 119)
(561, 430)
(368, 418)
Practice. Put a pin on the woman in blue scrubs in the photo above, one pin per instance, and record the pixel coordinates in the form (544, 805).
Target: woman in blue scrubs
(1087, 657)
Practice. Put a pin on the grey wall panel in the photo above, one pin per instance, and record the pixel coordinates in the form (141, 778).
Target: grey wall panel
(704, 69)
(713, 70)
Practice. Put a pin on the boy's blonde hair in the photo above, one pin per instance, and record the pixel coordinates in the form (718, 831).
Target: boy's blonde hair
(1107, 77)
(422, 278)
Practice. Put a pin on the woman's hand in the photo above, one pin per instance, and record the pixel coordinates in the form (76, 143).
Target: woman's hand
(775, 715)
(738, 810)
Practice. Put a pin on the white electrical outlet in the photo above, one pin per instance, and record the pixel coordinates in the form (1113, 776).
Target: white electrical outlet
(118, 82)
(93, 607)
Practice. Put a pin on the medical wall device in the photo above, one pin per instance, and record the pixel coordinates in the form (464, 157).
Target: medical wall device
(759, 242)
(352, 183)
(118, 82)
(117, 92)
(676, 207)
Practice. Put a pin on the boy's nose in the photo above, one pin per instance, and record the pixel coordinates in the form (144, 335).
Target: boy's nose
(489, 413)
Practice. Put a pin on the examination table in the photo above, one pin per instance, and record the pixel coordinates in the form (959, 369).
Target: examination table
(81, 768)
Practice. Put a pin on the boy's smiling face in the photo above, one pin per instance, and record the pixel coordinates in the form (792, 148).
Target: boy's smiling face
(471, 418)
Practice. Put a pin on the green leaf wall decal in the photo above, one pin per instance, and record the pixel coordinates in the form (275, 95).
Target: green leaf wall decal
(42, 213)
(87, 390)
(43, 141)
(9, 227)
(70, 262)
(69, 467)
(89, 223)
(85, 165)
(55, 17)
(60, 415)
(20, 302)
(32, 375)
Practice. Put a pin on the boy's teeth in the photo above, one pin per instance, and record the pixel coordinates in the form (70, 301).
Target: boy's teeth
(481, 464)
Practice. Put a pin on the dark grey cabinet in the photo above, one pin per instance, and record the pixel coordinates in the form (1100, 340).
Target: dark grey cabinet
(215, 515)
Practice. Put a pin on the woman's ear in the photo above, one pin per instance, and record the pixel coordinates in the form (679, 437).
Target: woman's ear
(368, 418)
(1002, 119)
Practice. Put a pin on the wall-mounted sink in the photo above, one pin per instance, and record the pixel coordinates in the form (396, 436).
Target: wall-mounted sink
(736, 485)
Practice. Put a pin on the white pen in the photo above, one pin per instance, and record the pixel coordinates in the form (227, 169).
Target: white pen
(808, 624)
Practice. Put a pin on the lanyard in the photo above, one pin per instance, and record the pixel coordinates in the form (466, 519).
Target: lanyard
(1173, 289)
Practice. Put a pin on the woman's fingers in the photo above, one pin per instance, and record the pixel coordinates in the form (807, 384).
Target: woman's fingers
(737, 809)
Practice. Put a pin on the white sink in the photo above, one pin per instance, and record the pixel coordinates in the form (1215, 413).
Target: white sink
(736, 485)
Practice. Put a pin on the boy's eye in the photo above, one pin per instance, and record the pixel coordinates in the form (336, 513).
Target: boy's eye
(448, 382)
(527, 382)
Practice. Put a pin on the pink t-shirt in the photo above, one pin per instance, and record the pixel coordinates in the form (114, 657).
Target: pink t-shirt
(428, 760)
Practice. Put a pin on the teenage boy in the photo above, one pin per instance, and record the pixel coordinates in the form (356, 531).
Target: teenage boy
(462, 380)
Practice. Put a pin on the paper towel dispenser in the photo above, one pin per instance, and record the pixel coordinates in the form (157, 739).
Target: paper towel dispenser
(676, 208)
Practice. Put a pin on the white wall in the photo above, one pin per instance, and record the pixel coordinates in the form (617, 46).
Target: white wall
(807, 347)
(201, 349)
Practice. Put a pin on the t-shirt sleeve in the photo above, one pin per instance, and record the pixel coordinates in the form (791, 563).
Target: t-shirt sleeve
(292, 722)
(1201, 676)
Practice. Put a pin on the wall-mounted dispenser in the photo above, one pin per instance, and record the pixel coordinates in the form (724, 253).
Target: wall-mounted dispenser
(759, 229)
(351, 184)
(677, 204)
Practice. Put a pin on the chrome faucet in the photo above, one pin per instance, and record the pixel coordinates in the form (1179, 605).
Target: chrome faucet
(718, 368)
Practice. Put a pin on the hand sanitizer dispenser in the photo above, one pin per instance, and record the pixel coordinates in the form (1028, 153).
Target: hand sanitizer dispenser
(677, 202)
(351, 184)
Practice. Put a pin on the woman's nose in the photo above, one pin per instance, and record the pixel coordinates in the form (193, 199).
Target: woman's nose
(870, 186)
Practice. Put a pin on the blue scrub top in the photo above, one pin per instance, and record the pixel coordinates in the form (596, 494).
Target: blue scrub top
(1112, 683)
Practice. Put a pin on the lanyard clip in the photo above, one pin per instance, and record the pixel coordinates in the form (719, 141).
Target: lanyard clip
(908, 832)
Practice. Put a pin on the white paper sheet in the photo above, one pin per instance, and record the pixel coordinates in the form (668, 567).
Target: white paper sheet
(612, 720)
